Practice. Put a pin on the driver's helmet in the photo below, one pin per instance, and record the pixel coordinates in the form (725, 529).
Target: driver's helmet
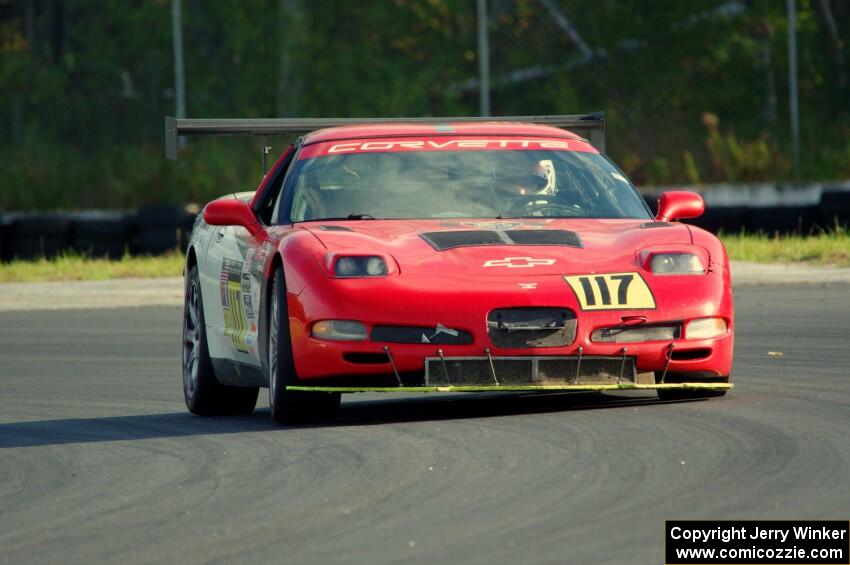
(539, 180)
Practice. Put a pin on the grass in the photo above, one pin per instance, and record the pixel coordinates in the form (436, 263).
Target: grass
(76, 267)
(827, 248)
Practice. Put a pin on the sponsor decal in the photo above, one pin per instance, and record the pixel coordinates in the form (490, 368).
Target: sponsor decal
(442, 143)
(518, 262)
(246, 295)
(497, 225)
(432, 145)
(614, 291)
(238, 282)
(235, 321)
(249, 306)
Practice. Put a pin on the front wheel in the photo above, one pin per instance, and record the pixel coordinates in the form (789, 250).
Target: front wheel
(290, 406)
(203, 393)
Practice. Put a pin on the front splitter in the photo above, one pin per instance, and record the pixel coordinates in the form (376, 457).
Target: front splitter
(517, 388)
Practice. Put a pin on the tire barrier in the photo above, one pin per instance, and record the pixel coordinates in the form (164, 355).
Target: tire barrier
(151, 230)
(39, 235)
(103, 237)
(5, 234)
(161, 228)
(723, 219)
(803, 210)
(156, 216)
(834, 208)
(156, 241)
(784, 220)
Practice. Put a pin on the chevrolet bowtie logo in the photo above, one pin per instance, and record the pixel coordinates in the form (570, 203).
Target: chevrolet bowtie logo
(518, 262)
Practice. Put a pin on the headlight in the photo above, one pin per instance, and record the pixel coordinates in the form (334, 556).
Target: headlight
(677, 264)
(340, 330)
(360, 266)
(705, 328)
(634, 334)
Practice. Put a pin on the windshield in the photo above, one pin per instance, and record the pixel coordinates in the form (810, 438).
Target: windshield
(421, 184)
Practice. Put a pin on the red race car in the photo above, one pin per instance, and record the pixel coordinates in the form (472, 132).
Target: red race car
(446, 255)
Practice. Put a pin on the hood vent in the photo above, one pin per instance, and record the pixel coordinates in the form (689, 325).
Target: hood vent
(442, 240)
(544, 237)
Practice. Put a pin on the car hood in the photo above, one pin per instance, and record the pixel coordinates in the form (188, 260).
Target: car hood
(429, 248)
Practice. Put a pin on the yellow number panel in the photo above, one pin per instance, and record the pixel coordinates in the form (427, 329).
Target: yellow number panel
(613, 291)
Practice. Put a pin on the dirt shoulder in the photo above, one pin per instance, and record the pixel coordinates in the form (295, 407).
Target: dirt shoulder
(115, 293)
(746, 273)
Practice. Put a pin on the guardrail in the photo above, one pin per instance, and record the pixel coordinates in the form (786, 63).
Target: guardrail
(159, 228)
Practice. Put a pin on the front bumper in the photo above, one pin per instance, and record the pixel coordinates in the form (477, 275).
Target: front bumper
(545, 373)
(465, 306)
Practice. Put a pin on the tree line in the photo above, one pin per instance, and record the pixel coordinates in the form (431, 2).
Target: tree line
(694, 91)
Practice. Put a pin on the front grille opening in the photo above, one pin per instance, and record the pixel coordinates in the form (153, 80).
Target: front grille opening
(516, 328)
(690, 354)
(366, 358)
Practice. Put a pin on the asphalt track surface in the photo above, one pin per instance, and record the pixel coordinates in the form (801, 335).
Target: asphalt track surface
(99, 462)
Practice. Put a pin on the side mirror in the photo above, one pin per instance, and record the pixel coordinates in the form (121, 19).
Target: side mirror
(232, 212)
(679, 205)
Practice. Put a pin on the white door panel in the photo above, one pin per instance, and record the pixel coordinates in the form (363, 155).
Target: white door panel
(230, 306)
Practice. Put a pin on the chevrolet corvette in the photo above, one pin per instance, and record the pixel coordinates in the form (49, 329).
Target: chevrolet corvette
(450, 255)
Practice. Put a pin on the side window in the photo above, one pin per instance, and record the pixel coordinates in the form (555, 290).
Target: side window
(267, 208)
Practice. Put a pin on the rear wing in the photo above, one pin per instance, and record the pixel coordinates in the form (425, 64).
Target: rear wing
(592, 126)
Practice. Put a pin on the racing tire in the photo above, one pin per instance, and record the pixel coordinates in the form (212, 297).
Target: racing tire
(204, 395)
(290, 406)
